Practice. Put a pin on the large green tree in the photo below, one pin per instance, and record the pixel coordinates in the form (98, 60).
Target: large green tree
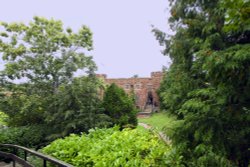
(44, 57)
(208, 83)
(44, 52)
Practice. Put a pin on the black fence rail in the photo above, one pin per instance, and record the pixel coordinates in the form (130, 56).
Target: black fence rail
(23, 161)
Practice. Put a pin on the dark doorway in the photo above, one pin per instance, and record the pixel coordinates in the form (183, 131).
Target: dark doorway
(150, 99)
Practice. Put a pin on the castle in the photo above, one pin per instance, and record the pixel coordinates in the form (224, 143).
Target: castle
(145, 89)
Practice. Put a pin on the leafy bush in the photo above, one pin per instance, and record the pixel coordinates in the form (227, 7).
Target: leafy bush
(22, 108)
(110, 147)
(28, 136)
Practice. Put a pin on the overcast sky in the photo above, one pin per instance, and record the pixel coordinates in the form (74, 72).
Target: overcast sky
(123, 42)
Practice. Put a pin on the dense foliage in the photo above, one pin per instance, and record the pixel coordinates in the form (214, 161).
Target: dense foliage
(43, 52)
(208, 83)
(119, 106)
(29, 136)
(38, 85)
(3, 118)
(110, 147)
(22, 108)
(77, 107)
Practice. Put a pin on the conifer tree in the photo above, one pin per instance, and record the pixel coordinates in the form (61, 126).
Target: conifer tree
(208, 83)
(119, 106)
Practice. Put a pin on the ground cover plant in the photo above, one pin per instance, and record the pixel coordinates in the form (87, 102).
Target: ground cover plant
(110, 147)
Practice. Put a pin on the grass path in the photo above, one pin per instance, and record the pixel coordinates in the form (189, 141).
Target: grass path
(159, 121)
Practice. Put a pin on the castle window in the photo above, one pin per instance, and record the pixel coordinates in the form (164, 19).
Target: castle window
(132, 86)
(138, 86)
(127, 86)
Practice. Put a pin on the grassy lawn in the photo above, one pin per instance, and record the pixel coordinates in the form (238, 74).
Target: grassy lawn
(159, 121)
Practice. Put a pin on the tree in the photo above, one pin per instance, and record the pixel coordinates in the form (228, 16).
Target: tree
(45, 57)
(77, 107)
(42, 55)
(119, 106)
(208, 82)
(135, 76)
(43, 52)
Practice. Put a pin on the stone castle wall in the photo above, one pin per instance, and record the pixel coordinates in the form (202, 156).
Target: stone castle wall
(143, 88)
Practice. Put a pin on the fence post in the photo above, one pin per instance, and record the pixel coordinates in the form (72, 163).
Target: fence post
(15, 153)
(25, 155)
(44, 163)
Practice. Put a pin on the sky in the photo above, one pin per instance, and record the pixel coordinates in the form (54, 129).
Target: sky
(124, 45)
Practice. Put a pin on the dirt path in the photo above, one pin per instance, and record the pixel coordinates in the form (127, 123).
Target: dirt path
(146, 126)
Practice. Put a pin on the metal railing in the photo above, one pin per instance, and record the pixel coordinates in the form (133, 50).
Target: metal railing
(13, 156)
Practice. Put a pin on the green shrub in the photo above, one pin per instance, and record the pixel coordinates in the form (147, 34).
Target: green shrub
(119, 106)
(110, 147)
(28, 136)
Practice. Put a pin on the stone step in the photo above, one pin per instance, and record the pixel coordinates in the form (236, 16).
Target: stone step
(148, 108)
(144, 114)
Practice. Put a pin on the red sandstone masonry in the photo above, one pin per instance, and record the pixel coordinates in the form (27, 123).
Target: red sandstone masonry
(140, 86)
